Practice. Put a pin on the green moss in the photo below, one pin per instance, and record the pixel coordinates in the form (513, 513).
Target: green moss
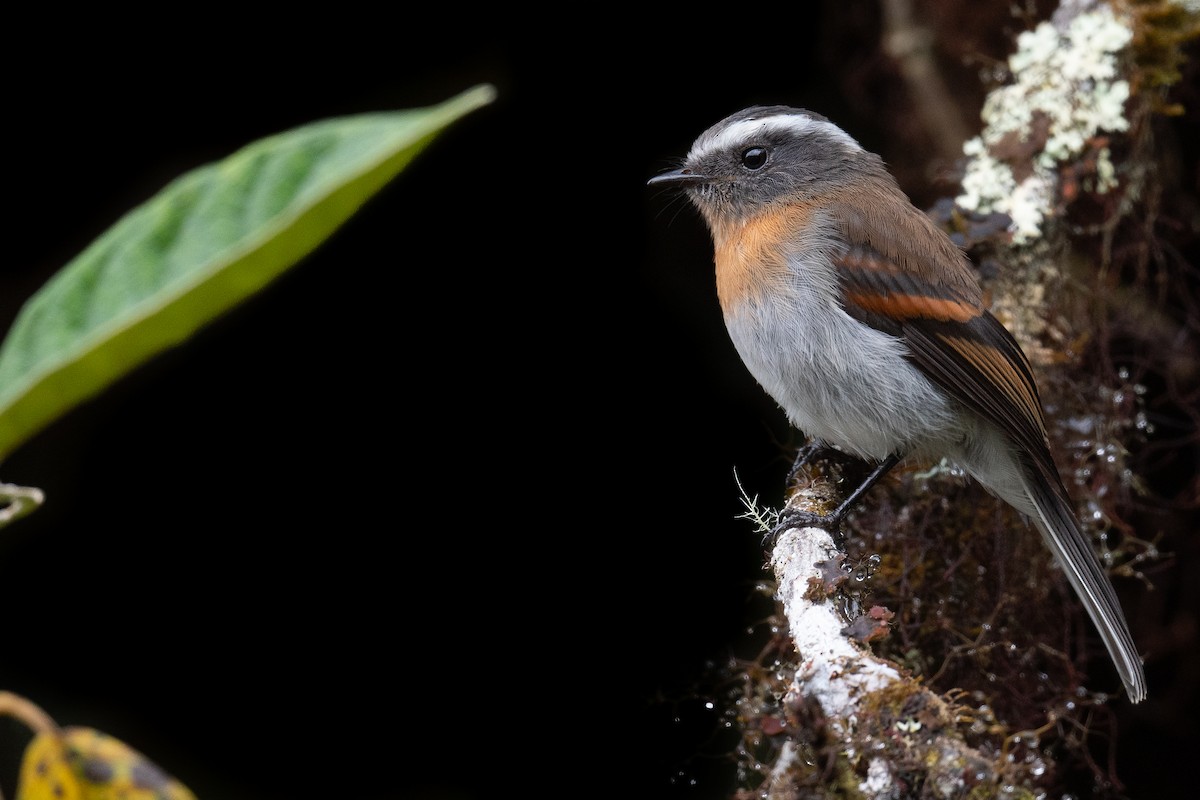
(1160, 30)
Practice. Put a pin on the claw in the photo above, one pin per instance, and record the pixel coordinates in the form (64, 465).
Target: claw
(832, 522)
(795, 518)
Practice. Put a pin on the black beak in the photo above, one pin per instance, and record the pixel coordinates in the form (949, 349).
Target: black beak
(679, 177)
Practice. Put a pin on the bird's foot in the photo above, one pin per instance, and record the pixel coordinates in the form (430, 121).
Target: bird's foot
(796, 518)
(808, 453)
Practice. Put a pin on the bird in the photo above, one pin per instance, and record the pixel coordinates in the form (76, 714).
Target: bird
(867, 325)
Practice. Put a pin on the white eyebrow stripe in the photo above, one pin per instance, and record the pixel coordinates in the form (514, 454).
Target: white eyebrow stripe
(746, 130)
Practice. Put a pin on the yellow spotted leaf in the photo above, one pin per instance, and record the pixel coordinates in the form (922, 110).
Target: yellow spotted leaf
(84, 764)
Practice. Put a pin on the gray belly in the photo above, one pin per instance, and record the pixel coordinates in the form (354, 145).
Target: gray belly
(844, 382)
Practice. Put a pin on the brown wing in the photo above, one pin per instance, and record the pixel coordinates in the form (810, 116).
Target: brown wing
(963, 349)
(951, 338)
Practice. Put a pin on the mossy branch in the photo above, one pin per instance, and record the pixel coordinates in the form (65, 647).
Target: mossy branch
(887, 729)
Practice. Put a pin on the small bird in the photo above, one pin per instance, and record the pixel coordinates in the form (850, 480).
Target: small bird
(867, 325)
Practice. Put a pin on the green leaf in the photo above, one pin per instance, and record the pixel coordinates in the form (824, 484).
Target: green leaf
(207, 241)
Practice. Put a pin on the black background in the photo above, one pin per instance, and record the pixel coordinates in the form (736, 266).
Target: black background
(450, 509)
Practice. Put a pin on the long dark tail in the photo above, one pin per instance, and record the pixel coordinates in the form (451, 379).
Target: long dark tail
(1073, 549)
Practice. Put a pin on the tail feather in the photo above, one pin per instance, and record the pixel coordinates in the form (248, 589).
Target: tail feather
(1074, 552)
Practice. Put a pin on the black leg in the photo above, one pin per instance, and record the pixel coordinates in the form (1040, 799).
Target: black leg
(831, 522)
(805, 455)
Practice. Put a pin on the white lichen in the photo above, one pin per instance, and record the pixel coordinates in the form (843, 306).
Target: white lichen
(1065, 88)
(834, 670)
(1028, 205)
(879, 782)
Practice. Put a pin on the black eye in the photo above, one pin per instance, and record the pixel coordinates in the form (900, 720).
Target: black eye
(754, 157)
